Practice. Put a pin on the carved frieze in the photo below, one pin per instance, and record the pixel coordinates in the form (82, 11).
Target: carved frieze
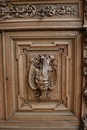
(9, 11)
(42, 75)
(50, 10)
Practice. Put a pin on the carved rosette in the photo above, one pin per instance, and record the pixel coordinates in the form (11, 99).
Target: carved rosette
(9, 11)
(42, 75)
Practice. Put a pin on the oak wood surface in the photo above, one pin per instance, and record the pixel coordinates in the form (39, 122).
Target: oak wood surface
(24, 39)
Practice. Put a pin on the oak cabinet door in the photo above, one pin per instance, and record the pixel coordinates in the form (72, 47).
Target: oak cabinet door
(44, 77)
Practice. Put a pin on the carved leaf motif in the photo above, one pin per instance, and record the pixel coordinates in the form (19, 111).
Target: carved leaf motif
(85, 8)
(8, 11)
(32, 77)
(85, 71)
(25, 11)
(84, 123)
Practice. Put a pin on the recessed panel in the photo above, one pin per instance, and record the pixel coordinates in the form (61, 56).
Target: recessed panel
(43, 71)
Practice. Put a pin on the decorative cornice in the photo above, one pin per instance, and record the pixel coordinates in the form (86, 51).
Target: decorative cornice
(9, 11)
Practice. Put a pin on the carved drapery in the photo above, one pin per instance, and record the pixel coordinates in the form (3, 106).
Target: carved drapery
(9, 11)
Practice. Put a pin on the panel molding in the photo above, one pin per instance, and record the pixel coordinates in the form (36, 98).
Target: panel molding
(43, 16)
(20, 42)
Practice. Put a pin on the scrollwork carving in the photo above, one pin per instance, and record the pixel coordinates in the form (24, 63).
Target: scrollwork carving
(42, 75)
(84, 123)
(85, 69)
(51, 11)
(8, 11)
(85, 8)
(85, 94)
(47, 10)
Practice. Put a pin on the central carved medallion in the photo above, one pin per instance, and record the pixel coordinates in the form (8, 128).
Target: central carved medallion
(42, 75)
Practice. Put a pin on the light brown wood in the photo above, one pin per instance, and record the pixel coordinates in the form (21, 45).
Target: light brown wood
(2, 106)
(41, 64)
(15, 42)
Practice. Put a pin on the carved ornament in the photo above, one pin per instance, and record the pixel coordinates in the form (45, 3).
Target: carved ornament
(85, 8)
(42, 75)
(84, 123)
(85, 94)
(9, 11)
(85, 69)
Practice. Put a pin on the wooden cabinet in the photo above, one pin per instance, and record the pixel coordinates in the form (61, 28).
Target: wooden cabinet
(43, 67)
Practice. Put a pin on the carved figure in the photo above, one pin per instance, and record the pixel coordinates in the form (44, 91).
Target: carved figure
(42, 75)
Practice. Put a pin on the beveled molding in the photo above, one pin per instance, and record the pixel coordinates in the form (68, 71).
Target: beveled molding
(62, 40)
(30, 13)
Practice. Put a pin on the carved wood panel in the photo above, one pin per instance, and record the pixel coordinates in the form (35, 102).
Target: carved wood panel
(53, 10)
(42, 67)
(34, 93)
